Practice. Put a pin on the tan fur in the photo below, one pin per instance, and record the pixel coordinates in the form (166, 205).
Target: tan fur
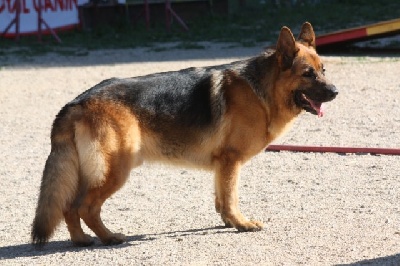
(91, 159)
(95, 145)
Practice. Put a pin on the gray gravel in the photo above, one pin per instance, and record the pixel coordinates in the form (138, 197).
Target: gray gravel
(319, 209)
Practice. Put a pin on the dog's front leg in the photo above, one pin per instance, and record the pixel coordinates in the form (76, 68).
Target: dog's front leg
(226, 194)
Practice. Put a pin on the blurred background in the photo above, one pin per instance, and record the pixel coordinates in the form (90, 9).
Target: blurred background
(49, 25)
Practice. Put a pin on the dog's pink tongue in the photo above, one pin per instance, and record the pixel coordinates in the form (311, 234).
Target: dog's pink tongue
(321, 110)
(318, 107)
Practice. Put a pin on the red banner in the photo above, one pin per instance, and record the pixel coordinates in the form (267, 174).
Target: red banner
(58, 14)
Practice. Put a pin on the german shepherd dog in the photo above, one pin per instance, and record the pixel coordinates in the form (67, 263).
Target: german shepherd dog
(214, 118)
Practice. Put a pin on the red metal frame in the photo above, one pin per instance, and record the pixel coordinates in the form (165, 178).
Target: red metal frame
(362, 150)
(42, 21)
(170, 12)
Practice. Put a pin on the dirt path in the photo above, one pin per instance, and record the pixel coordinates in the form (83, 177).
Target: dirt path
(319, 209)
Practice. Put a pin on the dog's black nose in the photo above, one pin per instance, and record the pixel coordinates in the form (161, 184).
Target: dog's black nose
(332, 91)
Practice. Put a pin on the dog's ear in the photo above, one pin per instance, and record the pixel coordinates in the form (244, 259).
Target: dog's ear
(307, 35)
(286, 48)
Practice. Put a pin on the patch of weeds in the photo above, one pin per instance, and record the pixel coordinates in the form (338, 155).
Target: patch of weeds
(231, 46)
(81, 53)
(189, 46)
(248, 43)
(393, 44)
(71, 51)
(180, 45)
(159, 49)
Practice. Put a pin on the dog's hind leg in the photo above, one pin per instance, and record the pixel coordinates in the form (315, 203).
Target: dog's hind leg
(73, 220)
(108, 144)
(78, 237)
(90, 206)
(90, 209)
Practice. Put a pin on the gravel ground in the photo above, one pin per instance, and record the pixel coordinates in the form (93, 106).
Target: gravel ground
(319, 209)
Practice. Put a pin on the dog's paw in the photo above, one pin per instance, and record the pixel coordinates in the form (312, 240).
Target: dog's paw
(227, 223)
(240, 222)
(83, 241)
(115, 239)
(250, 226)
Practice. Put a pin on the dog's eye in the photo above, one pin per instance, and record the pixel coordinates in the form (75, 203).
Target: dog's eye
(309, 73)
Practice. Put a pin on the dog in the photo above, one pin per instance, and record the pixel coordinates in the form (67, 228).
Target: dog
(213, 118)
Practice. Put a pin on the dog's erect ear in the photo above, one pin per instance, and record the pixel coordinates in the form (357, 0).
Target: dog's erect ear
(286, 48)
(307, 35)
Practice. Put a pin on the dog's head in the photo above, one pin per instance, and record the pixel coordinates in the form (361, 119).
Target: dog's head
(302, 71)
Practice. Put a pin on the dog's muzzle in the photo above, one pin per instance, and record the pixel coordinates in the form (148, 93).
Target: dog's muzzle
(312, 101)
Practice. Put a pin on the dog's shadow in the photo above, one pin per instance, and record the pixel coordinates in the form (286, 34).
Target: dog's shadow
(201, 231)
(53, 247)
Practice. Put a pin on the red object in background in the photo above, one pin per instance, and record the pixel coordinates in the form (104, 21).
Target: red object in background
(28, 17)
(322, 149)
(170, 12)
(377, 30)
(42, 21)
(15, 21)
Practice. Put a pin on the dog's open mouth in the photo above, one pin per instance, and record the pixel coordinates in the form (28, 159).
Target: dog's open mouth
(312, 106)
(317, 108)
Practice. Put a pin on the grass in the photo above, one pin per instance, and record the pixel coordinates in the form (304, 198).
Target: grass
(245, 29)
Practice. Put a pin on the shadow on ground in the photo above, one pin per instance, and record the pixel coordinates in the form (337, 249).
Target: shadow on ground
(167, 53)
(53, 247)
(382, 261)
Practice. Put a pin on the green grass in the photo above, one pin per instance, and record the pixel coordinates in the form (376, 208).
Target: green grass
(245, 29)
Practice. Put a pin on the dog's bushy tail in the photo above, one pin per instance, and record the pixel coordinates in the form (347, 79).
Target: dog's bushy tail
(59, 185)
